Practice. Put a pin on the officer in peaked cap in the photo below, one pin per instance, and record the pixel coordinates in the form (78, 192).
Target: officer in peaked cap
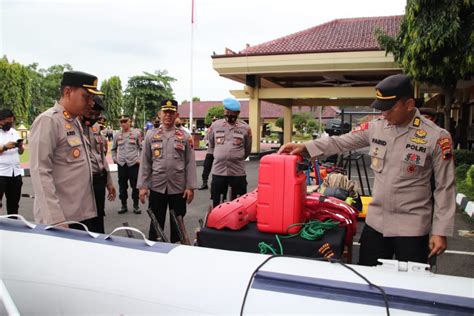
(126, 151)
(406, 149)
(101, 178)
(81, 79)
(230, 142)
(59, 158)
(167, 169)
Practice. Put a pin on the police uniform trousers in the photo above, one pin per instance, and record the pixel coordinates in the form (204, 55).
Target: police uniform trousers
(11, 188)
(159, 203)
(208, 160)
(238, 185)
(96, 224)
(373, 246)
(128, 173)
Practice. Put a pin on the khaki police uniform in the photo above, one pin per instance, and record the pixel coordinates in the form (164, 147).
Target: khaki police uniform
(100, 171)
(403, 159)
(60, 169)
(230, 146)
(167, 169)
(126, 151)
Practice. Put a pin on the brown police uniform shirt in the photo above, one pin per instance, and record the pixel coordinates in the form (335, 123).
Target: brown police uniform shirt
(167, 164)
(97, 150)
(126, 148)
(230, 145)
(403, 160)
(60, 169)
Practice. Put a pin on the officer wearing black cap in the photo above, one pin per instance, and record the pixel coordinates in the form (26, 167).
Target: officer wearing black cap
(406, 149)
(126, 151)
(59, 158)
(167, 169)
(96, 143)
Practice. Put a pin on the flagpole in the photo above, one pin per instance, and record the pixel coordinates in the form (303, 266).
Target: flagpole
(191, 70)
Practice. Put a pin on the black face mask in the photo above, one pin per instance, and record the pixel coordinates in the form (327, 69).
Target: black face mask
(89, 121)
(156, 124)
(230, 118)
(6, 126)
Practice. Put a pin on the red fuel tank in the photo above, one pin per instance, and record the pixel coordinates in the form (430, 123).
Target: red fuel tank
(281, 194)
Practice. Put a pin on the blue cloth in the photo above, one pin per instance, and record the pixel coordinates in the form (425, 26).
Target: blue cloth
(231, 104)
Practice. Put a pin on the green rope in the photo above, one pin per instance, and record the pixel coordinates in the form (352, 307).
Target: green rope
(311, 230)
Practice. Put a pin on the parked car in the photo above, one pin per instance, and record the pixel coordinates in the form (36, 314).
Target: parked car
(334, 127)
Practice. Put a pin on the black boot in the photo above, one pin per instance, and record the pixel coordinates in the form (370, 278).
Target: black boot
(136, 208)
(124, 208)
(204, 186)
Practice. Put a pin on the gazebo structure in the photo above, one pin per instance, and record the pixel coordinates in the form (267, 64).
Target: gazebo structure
(333, 64)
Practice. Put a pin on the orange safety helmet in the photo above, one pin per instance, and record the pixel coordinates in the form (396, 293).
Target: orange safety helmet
(231, 215)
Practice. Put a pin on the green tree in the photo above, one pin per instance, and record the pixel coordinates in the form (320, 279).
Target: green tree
(45, 85)
(215, 111)
(435, 44)
(15, 88)
(144, 94)
(113, 99)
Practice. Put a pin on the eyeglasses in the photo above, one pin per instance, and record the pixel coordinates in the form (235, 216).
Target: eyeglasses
(123, 121)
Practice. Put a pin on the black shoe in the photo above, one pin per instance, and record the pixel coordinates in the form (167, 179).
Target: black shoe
(136, 209)
(123, 209)
(204, 186)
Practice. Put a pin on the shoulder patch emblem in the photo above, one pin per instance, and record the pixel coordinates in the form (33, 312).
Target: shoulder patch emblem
(361, 127)
(68, 126)
(446, 148)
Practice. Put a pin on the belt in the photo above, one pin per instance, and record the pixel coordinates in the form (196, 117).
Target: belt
(102, 173)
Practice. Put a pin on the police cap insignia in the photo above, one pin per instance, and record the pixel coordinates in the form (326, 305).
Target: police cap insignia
(390, 90)
(169, 105)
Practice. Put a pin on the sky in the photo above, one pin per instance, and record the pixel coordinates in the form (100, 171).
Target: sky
(125, 38)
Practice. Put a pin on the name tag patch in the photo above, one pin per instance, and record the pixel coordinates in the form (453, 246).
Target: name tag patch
(416, 148)
(379, 141)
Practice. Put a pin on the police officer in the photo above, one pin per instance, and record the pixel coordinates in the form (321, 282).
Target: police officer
(59, 159)
(126, 150)
(230, 141)
(167, 169)
(208, 160)
(406, 149)
(101, 178)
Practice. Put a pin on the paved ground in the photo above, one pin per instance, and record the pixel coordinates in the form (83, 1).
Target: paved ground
(459, 259)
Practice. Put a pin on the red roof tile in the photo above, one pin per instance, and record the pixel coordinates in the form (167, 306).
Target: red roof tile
(341, 35)
(268, 110)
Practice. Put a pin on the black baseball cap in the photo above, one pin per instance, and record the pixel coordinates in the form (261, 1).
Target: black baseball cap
(98, 103)
(81, 79)
(169, 105)
(390, 90)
